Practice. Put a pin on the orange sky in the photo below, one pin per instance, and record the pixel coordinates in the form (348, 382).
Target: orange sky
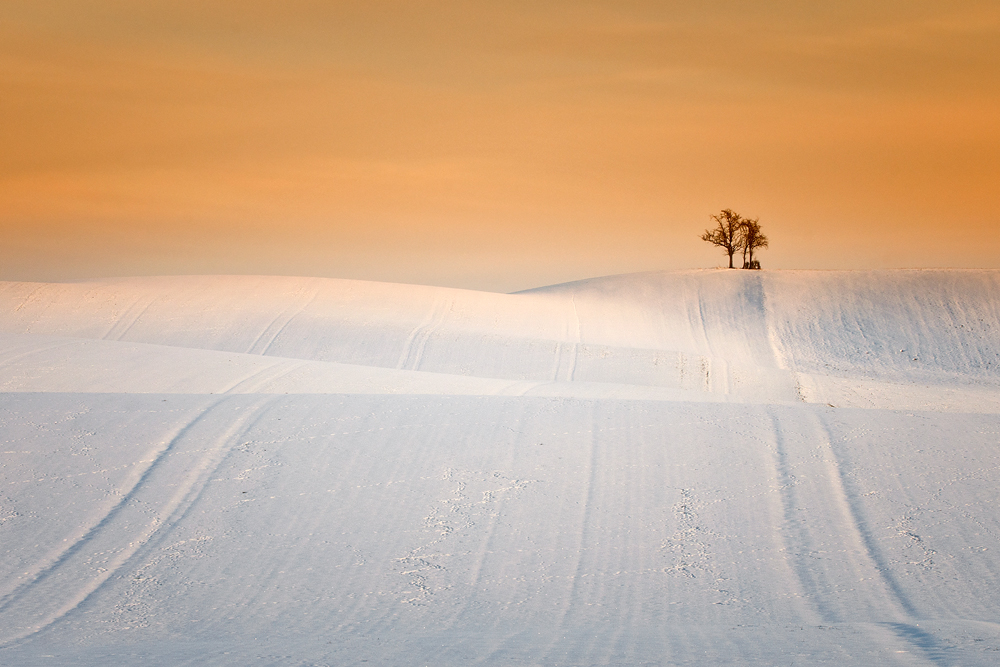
(493, 145)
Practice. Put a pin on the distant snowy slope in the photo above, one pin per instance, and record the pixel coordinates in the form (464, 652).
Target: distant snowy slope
(32, 363)
(636, 329)
(904, 323)
(889, 324)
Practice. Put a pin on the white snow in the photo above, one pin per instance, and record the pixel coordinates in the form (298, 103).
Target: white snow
(698, 467)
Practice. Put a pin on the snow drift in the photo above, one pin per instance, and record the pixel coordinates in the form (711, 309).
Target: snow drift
(703, 467)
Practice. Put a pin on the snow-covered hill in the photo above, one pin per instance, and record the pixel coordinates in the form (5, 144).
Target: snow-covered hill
(699, 467)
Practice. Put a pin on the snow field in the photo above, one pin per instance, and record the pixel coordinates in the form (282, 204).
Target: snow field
(671, 468)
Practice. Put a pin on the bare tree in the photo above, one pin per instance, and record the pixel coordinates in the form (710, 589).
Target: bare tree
(728, 233)
(752, 239)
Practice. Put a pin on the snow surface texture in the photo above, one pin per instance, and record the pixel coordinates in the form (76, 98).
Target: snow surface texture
(701, 467)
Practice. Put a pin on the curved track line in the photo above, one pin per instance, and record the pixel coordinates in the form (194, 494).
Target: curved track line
(556, 363)
(477, 567)
(404, 355)
(43, 568)
(785, 481)
(577, 340)
(208, 465)
(781, 359)
(35, 350)
(863, 535)
(416, 342)
(825, 533)
(426, 334)
(269, 373)
(588, 506)
(28, 298)
(188, 490)
(702, 328)
(796, 534)
(118, 325)
(138, 317)
(568, 349)
(284, 324)
(830, 541)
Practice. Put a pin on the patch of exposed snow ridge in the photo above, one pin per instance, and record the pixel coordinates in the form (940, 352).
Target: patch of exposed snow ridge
(696, 467)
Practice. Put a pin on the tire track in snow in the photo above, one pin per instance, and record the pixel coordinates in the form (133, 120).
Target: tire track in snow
(556, 362)
(565, 355)
(63, 583)
(696, 322)
(824, 530)
(46, 566)
(30, 297)
(715, 372)
(255, 381)
(21, 353)
(568, 350)
(492, 507)
(577, 340)
(572, 603)
(782, 359)
(416, 342)
(119, 328)
(909, 631)
(485, 544)
(829, 541)
(795, 533)
(253, 349)
(864, 539)
(404, 355)
(208, 464)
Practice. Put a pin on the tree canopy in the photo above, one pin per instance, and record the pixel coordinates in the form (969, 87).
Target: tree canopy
(734, 233)
(727, 233)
